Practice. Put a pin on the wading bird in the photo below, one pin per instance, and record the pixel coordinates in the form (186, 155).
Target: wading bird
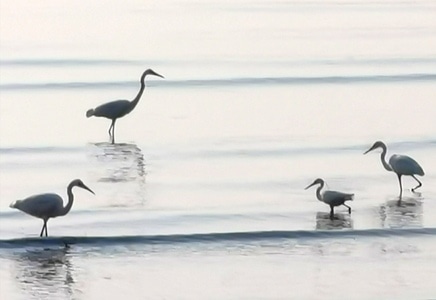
(331, 198)
(119, 108)
(400, 164)
(46, 206)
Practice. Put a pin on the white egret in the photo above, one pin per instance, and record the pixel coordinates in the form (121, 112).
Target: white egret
(399, 164)
(331, 198)
(119, 108)
(46, 206)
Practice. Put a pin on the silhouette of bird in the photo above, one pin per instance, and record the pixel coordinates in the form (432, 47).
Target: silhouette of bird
(46, 206)
(331, 198)
(399, 164)
(119, 108)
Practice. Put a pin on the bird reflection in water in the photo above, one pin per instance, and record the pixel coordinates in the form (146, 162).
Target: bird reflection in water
(340, 221)
(402, 214)
(121, 164)
(45, 273)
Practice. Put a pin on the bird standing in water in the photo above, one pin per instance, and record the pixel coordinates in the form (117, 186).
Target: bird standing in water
(46, 206)
(399, 164)
(119, 108)
(331, 198)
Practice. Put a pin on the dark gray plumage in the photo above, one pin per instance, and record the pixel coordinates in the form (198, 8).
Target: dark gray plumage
(331, 198)
(119, 108)
(399, 164)
(46, 206)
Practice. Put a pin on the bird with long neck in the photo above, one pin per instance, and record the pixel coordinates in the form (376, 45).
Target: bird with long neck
(46, 206)
(400, 165)
(119, 108)
(331, 198)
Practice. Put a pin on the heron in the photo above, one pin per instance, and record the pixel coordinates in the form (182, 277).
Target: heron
(46, 206)
(399, 164)
(119, 108)
(331, 198)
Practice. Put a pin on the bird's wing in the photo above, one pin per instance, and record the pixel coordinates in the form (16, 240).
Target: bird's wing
(40, 206)
(405, 165)
(113, 109)
(336, 198)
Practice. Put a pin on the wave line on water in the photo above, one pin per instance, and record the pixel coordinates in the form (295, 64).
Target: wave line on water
(283, 151)
(241, 81)
(85, 62)
(233, 151)
(35, 150)
(250, 236)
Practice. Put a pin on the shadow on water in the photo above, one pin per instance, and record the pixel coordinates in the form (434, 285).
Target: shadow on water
(120, 164)
(340, 221)
(404, 214)
(45, 273)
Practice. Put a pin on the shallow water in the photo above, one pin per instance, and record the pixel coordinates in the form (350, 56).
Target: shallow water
(202, 196)
(251, 266)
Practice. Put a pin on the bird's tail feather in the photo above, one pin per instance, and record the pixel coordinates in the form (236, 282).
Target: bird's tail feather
(90, 113)
(350, 197)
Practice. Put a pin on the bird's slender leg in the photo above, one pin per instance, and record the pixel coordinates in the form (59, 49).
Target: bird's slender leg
(43, 227)
(46, 230)
(42, 230)
(113, 131)
(419, 184)
(331, 212)
(110, 128)
(349, 208)
(401, 186)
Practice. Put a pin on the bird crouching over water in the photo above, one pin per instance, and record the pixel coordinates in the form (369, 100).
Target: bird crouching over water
(331, 198)
(119, 108)
(400, 165)
(46, 206)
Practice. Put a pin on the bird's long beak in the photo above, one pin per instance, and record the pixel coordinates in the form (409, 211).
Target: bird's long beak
(156, 74)
(87, 188)
(312, 184)
(370, 149)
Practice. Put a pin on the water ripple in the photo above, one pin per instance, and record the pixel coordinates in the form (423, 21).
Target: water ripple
(235, 82)
(211, 237)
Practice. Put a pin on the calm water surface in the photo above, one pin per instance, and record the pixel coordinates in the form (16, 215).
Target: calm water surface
(202, 196)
